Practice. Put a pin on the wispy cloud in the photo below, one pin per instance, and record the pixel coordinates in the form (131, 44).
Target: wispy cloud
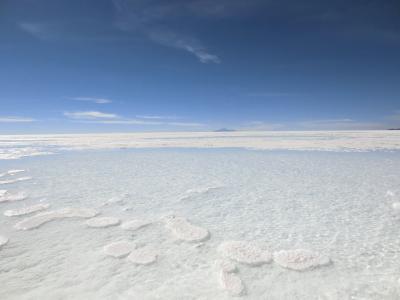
(13, 119)
(92, 99)
(157, 117)
(37, 30)
(90, 115)
(272, 94)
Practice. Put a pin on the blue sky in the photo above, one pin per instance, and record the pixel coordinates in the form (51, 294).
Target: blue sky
(141, 65)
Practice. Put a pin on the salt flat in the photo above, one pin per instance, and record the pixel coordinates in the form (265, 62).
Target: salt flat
(305, 224)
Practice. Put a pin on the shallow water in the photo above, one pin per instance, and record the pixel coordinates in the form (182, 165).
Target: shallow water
(334, 203)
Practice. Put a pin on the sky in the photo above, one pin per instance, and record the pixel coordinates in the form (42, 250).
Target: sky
(77, 66)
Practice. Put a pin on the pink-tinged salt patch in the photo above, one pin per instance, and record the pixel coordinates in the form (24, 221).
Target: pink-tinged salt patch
(135, 224)
(225, 266)
(11, 197)
(15, 180)
(300, 259)
(143, 256)
(248, 253)
(232, 284)
(45, 217)
(26, 210)
(182, 229)
(102, 222)
(119, 249)
(3, 241)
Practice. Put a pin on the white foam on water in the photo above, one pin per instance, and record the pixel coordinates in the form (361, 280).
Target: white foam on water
(232, 283)
(248, 253)
(9, 181)
(45, 217)
(135, 224)
(3, 241)
(11, 197)
(102, 222)
(119, 249)
(300, 259)
(26, 210)
(143, 256)
(182, 229)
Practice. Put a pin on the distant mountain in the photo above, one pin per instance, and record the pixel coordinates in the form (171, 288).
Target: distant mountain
(224, 130)
(394, 129)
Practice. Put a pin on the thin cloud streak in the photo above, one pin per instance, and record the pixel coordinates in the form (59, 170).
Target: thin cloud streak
(90, 115)
(13, 119)
(92, 99)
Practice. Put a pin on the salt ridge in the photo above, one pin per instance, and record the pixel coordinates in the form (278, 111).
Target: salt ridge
(26, 210)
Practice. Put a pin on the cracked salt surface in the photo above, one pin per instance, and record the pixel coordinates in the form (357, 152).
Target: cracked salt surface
(333, 204)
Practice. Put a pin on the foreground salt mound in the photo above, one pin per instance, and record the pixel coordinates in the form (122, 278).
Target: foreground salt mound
(143, 256)
(135, 224)
(183, 230)
(119, 249)
(232, 283)
(6, 196)
(102, 222)
(26, 210)
(3, 241)
(248, 253)
(45, 217)
(15, 180)
(300, 259)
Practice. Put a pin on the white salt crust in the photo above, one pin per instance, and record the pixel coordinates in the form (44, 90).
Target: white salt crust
(135, 224)
(16, 171)
(102, 222)
(183, 230)
(396, 206)
(3, 241)
(119, 249)
(26, 210)
(143, 256)
(244, 252)
(231, 283)
(15, 180)
(45, 217)
(11, 197)
(300, 259)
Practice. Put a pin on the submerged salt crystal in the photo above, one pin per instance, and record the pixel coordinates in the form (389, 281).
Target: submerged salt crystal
(45, 217)
(3, 241)
(102, 222)
(9, 197)
(26, 210)
(232, 283)
(185, 231)
(143, 256)
(300, 259)
(119, 249)
(135, 224)
(245, 252)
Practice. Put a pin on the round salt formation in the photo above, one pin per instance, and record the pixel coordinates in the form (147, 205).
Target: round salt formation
(142, 256)
(396, 206)
(135, 224)
(102, 222)
(5, 196)
(243, 252)
(3, 241)
(26, 210)
(225, 266)
(185, 231)
(300, 259)
(119, 249)
(232, 283)
(45, 217)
